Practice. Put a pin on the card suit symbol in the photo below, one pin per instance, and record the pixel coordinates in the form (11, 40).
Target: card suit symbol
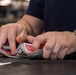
(29, 48)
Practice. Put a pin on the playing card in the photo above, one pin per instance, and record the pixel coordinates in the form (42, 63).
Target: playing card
(23, 50)
(28, 47)
(24, 47)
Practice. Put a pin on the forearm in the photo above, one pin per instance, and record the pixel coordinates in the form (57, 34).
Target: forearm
(33, 26)
(27, 26)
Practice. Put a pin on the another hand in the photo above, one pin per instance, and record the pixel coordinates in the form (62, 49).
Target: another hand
(57, 44)
(12, 32)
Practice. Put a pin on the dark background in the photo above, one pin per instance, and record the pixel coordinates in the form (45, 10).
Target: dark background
(13, 11)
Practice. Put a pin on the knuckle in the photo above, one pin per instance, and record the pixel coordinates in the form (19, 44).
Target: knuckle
(3, 27)
(38, 38)
(8, 26)
(65, 44)
(48, 32)
(9, 38)
(48, 47)
(20, 38)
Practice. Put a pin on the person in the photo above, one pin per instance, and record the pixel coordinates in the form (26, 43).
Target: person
(50, 23)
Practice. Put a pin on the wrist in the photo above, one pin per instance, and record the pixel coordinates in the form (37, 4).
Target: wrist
(25, 24)
(21, 23)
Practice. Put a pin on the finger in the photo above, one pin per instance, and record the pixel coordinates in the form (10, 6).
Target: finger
(48, 48)
(22, 36)
(12, 39)
(70, 50)
(38, 41)
(55, 51)
(30, 38)
(62, 53)
(3, 36)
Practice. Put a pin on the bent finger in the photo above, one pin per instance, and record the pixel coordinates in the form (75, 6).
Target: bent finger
(48, 48)
(30, 38)
(3, 35)
(22, 36)
(55, 51)
(12, 40)
(62, 53)
(38, 41)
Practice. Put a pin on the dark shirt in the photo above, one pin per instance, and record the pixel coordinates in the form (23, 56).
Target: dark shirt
(58, 15)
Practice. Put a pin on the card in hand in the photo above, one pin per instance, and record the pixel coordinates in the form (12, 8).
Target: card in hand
(24, 47)
(23, 50)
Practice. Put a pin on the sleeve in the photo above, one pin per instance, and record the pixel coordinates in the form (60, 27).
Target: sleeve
(35, 8)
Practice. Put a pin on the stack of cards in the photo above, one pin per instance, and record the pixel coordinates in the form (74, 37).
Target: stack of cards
(24, 50)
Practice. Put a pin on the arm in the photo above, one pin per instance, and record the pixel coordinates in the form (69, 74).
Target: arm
(34, 26)
(17, 32)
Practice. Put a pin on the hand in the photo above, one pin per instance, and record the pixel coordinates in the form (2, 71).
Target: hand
(57, 44)
(12, 32)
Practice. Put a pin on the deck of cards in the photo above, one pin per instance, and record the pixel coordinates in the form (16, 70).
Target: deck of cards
(24, 50)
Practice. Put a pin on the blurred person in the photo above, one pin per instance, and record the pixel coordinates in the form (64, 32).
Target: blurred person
(57, 18)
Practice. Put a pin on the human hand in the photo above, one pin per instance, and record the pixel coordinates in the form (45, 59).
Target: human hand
(13, 32)
(57, 44)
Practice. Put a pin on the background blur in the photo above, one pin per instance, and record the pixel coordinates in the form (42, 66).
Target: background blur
(12, 10)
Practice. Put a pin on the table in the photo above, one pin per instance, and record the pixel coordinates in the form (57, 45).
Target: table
(38, 67)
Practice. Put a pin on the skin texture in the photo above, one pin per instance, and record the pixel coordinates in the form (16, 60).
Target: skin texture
(17, 32)
(56, 44)
(12, 32)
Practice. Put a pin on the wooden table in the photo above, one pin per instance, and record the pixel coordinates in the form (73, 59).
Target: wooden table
(38, 67)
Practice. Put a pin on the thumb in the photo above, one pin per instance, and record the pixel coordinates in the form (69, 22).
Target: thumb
(22, 36)
(30, 38)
